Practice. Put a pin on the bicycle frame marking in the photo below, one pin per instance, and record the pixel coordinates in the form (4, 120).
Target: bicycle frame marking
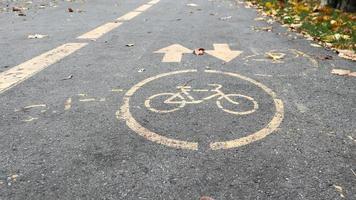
(179, 99)
(124, 114)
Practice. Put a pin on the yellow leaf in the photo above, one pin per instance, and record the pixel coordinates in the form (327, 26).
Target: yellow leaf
(269, 5)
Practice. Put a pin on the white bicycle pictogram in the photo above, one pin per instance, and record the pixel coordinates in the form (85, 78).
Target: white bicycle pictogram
(183, 98)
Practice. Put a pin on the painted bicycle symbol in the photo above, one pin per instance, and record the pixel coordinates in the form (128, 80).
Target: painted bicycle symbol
(183, 97)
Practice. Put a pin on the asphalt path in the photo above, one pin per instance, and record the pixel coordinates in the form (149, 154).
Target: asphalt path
(116, 118)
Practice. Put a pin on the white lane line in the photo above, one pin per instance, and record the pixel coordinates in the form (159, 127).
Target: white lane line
(100, 31)
(19, 73)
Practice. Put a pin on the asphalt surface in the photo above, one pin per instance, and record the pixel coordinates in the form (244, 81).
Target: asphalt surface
(88, 150)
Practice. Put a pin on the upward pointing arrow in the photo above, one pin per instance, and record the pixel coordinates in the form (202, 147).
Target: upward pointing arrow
(173, 53)
(223, 52)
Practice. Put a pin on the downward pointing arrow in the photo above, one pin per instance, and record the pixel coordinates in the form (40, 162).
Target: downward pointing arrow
(223, 52)
(173, 53)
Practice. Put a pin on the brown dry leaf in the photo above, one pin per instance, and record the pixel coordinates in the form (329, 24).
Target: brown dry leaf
(16, 9)
(325, 57)
(199, 51)
(348, 54)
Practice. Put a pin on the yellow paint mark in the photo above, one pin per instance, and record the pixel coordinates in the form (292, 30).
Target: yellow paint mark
(30, 119)
(264, 75)
(19, 73)
(128, 16)
(173, 53)
(87, 100)
(35, 106)
(125, 114)
(272, 126)
(100, 31)
(143, 7)
(68, 104)
(117, 90)
(153, 2)
(312, 60)
(223, 52)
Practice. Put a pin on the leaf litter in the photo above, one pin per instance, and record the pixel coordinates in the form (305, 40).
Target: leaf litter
(37, 36)
(199, 51)
(343, 72)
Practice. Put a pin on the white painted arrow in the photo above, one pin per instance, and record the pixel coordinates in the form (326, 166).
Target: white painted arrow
(223, 52)
(173, 53)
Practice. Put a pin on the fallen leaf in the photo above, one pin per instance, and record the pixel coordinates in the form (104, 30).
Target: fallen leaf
(270, 21)
(348, 54)
(341, 72)
(67, 78)
(192, 5)
(16, 9)
(70, 10)
(68, 104)
(30, 119)
(339, 190)
(14, 177)
(259, 19)
(36, 36)
(295, 26)
(325, 57)
(265, 28)
(34, 106)
(353, 172)
(225, 18)
(315, 45)
(199, 51)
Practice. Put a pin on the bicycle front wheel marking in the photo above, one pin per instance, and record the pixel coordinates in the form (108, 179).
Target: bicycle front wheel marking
(226, 97)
